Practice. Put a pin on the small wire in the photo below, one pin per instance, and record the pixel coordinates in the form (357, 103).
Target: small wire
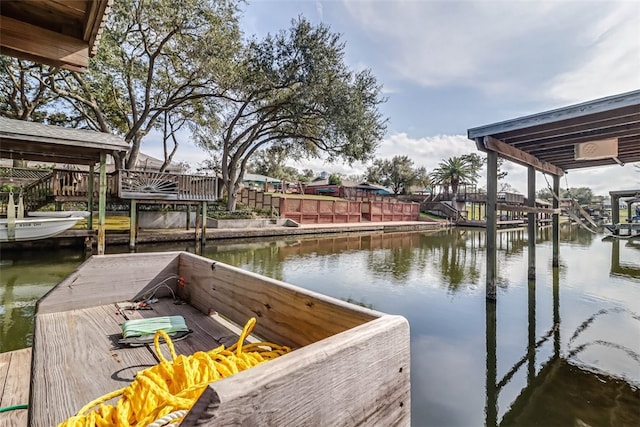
(162, 283)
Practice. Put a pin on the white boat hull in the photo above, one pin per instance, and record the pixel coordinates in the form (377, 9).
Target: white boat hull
(35, 228)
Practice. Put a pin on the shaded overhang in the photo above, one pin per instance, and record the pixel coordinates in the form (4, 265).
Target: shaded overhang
(602, 132)
(62, 33)
(22, 140)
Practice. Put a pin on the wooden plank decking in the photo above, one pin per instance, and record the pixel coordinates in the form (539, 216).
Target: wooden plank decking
(111, 367)
(15, 367)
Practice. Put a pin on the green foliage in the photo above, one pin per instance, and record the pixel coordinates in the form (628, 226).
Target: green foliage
(238, 214)
(335, 179)
(8, 188)
(157, 61)
(397, 174)
(293, 90)
(583, 195)
(455, 171)
(271, 162)
(24, 93)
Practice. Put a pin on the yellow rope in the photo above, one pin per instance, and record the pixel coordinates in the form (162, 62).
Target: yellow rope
(173, 385)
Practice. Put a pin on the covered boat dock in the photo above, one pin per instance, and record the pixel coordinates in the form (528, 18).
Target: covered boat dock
(601, 132)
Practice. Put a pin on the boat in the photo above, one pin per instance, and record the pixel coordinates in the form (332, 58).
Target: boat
(58, 214)
(16, 230)
(348, 365)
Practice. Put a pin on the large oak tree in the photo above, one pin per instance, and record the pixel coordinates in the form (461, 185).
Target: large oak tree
(157, 61)
(293, 90)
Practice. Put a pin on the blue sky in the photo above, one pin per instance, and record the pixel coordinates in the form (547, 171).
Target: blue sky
(447, 66)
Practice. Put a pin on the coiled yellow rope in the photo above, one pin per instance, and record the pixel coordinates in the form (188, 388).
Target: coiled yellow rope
(175, 385)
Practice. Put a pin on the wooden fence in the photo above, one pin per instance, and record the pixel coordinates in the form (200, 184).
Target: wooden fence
(388, 211)
(323, 211)
(319, 211)
(260, 200)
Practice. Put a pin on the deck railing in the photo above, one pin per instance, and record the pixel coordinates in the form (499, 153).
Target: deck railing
(166, 186)
(66, 185)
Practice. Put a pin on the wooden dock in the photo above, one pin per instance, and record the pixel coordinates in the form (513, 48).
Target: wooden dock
(15, 368)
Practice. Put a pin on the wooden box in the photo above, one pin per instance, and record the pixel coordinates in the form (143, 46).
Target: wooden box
(350, 365)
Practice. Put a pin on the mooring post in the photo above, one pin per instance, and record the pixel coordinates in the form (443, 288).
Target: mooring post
(102, 203)
(532, 221)
(531, 344)
(556, 311)
(133, 223)
(556, 224)
(90, 186)
(203, 234)
(492, 199)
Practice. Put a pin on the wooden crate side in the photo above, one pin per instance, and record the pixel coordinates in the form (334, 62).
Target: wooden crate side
(109, 279)
(286, 314)
(359, 377)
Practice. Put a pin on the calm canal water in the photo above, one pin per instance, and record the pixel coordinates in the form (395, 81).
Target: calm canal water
(561, 350)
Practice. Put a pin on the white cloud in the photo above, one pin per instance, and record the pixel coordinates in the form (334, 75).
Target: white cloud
(504, 47)
(612, 63)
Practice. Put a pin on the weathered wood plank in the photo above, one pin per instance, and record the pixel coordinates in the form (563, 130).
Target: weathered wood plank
(286, 314)
(345, 380)
(521, 157)
(109, 279)
(75, 360)
(53, 48)
(15, 367)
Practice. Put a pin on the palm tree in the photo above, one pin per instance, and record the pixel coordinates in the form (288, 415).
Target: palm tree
(453, 172)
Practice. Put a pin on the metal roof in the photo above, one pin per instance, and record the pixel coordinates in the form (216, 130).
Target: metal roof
(551, 137)
(55, 32)
(22, 140)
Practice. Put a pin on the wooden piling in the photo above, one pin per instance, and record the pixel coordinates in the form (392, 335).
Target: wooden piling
(531, 221)
(492, 200)
(102, 203)
(556, 224)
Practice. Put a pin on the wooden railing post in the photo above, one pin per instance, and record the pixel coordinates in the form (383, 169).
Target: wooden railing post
(102, 203)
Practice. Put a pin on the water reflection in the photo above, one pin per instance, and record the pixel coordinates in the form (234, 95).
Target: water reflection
(571, 387)
(625, 268)
(24, 278)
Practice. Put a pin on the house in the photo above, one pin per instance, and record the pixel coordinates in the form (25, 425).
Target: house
(347, 190)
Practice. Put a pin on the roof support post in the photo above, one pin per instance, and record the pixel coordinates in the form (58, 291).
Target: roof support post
(531, 221)
(102, 203)
(615, 209)
(90, 186)
(556, 224)
(492, 199)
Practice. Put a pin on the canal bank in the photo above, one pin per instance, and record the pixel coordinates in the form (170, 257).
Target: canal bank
(80, 238)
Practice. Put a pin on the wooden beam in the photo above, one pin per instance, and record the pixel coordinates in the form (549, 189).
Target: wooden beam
(527, 209)
(48, 46)
(521, 157)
